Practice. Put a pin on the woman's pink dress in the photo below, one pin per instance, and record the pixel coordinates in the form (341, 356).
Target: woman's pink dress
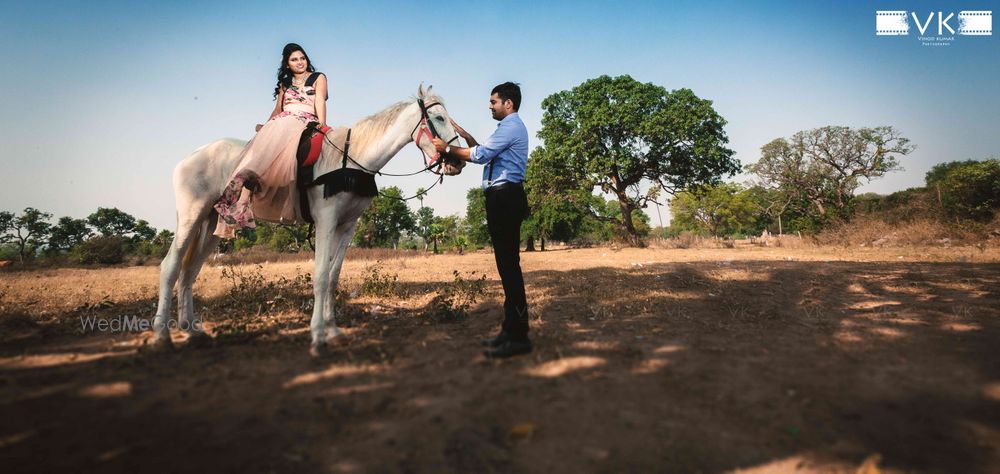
(267, 165)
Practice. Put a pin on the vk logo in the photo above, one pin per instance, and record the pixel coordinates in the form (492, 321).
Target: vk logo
(970, 23)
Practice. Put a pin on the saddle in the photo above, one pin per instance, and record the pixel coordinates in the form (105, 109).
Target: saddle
(343, 179)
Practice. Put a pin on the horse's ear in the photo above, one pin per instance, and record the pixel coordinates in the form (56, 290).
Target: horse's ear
(420, 91)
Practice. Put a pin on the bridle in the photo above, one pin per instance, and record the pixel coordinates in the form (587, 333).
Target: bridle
(426, 127)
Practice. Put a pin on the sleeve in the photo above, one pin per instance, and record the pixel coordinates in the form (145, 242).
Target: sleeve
(501, 140)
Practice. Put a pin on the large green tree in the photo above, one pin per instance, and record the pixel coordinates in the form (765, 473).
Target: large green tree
(27, 232)
(824, 166)
(385, 220)
(115, 222)
(631, 140)
(68, 233)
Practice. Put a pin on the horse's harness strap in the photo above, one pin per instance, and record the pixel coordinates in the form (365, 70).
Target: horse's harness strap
(344, 179)
(347, 147)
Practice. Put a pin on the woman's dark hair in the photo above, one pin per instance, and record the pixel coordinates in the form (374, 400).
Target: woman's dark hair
(285, 74)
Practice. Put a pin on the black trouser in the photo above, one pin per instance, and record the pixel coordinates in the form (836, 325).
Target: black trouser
(506, 207)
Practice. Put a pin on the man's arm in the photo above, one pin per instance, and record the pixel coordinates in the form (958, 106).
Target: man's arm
(501, 139)
(465, 135)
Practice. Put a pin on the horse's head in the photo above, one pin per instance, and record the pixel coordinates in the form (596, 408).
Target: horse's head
(434, 121)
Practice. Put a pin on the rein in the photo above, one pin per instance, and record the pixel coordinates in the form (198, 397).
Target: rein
(426, 127)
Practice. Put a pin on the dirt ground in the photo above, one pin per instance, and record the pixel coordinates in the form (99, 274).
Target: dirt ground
(647, 360)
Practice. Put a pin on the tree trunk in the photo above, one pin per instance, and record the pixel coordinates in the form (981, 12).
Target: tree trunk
(435, 246)
(543, 243)
(779, 225)
(819, 207)
(530, 245)
(627, 222)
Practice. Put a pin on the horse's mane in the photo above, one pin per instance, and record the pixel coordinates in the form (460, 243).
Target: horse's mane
(368, 130)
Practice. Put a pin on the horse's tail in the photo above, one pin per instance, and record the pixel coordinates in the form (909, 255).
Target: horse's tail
(197, 240)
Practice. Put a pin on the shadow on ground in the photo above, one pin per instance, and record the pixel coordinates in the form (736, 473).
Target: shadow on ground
(703, 367)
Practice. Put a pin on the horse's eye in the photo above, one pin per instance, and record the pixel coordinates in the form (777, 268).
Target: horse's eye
(440, 118)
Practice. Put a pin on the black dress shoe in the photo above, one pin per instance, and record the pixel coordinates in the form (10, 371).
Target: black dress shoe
(509, 348)
(496, 341)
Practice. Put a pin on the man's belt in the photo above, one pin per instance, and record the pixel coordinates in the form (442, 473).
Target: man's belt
(504, 185)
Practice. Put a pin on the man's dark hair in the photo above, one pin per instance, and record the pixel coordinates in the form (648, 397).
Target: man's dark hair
(509, 90)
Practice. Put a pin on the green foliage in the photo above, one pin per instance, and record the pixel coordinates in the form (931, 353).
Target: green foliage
(820, 169)
(720, 210)
(618, 135)
(971, 189)
(940, 171)
(385, 220)
(68, 233)
(447, 229)
(156, 247)
(604, 225)
(277, 237)
(105, 250)
(475, 217)
(112, 221)
(27, 232)
(377, 282)
(453, 302)
(425, 223)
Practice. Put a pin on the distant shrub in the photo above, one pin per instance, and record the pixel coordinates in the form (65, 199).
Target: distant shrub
(105, 250)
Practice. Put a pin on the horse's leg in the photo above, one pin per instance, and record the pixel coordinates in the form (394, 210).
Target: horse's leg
(201, 249)
(170, 268)
(342, 238)
(325, 244)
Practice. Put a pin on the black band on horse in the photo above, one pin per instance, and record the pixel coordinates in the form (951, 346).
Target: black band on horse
(340, 180)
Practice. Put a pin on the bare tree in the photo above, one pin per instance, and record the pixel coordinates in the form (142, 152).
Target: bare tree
(824, 166)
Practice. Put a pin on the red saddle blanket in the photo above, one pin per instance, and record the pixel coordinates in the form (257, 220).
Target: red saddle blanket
(311, 145)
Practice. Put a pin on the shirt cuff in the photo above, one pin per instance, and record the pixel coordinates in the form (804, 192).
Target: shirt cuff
(472, 153)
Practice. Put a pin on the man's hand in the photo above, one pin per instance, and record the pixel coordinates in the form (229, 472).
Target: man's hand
(462, 133)
(439, 144)
(458, 128)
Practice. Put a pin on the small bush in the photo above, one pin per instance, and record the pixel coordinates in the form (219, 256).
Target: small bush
(251, 294)
(377, 282)
(453, 302)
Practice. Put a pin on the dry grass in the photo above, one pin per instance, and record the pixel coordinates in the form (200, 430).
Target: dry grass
(875, 231)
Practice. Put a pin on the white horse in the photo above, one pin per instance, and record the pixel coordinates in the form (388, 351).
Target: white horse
(200, 179)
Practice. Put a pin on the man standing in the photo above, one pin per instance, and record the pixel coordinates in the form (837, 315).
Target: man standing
(505, 157)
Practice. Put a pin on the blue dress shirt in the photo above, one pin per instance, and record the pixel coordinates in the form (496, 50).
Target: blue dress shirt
(507, 148)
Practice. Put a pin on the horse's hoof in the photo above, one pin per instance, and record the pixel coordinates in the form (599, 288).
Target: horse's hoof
(199, 339)
(161, 344)
(318, 350)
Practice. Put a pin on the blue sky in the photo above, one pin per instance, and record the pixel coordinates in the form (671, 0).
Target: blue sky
(102, 98)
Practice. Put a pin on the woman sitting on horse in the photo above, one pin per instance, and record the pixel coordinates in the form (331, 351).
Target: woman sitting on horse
(263, 184)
